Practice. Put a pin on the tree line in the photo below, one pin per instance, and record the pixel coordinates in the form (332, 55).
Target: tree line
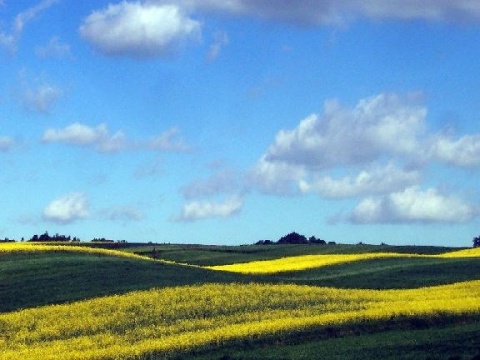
(295, 238)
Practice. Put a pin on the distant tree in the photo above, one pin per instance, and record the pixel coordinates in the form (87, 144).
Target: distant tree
(264, 242)
(314, 240)
(102, 240)
(476, 241)
(44, 237)
(293, 238)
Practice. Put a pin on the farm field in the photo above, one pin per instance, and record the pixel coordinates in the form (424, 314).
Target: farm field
(72, 302)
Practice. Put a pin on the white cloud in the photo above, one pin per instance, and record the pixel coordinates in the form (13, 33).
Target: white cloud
(53, 49)
(6, 143)
(83, 135)
(276, 177)
(383, 128)
(67, 209)
(168, 141)
(379, 180)
(223, 181)
(327, 12)
(463, 152)
(10, 40)
(139, 30)
(413, 205)
(40, 98)
(124, 214)
(100, 139)
(200, 210)
(385, 124)
(220, 40)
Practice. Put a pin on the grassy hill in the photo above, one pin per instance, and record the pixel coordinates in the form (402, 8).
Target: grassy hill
(33, 279)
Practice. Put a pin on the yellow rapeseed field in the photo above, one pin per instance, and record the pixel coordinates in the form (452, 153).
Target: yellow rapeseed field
(181, 318)
(49, 247)
(304, 262)
(473, 252)
(301, 262)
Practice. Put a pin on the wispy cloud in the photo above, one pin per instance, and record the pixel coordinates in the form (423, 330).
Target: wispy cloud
(6, 143)
(54, 49)
(220, 40)
(138, 30)
(224, 181)
(9, 40)
(41, 98)
(169, 141)
(122, 213)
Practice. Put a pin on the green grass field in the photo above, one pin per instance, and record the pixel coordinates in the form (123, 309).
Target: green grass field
(39, 278)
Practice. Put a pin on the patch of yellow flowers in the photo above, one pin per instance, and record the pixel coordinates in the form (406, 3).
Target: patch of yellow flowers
(169, 320)
(305, 262)
(49, 247)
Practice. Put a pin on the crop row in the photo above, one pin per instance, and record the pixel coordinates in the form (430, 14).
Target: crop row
(176, 319)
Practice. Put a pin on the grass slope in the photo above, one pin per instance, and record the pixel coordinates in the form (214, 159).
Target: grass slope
(30, 279)
(387, 273)
(447, 342)
(222, 255)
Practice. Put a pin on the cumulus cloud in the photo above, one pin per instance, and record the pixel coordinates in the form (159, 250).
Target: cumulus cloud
(200, 210)
(379, 180)
(6, 143)
(67, 209)
(463, 152)
(82, 135)
(380, 150)
(276, 177)
(413, 205)
(139, 30)
(9, 40)
(386, 124)
(383, 128)
(327, 12)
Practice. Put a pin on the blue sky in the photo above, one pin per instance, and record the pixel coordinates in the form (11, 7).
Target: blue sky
(227, 122)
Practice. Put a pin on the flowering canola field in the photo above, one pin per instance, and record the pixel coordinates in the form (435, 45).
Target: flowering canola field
(305, 262)
(165, 321)
(49, 247)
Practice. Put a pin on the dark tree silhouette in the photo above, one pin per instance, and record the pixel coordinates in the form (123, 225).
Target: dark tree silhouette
(476, 241)
(293, 238)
